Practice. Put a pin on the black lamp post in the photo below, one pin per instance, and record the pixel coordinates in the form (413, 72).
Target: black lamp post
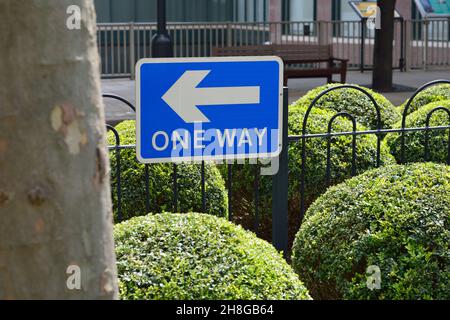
(162, 45)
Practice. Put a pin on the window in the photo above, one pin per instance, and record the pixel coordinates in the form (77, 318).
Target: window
(302, 10)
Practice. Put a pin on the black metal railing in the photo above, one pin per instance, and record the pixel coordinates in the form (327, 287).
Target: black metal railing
(280, 218)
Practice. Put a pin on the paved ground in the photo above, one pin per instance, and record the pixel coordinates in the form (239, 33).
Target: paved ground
(116, 111)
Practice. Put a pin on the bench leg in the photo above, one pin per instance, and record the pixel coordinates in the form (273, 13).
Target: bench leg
(285, 81)
(343, 76)
(329, 79)
(344, 71)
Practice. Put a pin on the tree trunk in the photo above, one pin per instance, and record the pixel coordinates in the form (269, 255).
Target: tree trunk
(55, 207)
(382, 55)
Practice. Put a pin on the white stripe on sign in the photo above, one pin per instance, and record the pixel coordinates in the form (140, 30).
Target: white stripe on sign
(184, 96)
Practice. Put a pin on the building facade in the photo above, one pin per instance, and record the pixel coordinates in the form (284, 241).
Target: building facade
(236, 10)
(417, 43)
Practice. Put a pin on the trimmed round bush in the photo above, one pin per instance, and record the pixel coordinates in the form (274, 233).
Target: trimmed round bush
(316, 153)
(394, 220)
(341, 151)
(199, 257)
(415, 141)
(354, 102)
(435, 93)
(161, 182)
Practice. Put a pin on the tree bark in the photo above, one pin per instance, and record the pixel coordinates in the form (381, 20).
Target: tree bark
(382, 55)
(55, 206)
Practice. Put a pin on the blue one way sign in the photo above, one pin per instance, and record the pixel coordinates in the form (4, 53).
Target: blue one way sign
(191, 109)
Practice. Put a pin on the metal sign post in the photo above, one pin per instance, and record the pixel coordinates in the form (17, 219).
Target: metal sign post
(280, 221)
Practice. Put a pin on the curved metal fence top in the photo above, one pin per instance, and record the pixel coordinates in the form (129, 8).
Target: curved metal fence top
(117, 97)
(126, 102)
(345, 86)
(430, 114)
(344, 115)
(422, 88)
(116, 134)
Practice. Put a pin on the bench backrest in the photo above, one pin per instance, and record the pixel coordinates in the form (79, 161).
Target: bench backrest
(284, 51)
(262, 50)
(303, 52)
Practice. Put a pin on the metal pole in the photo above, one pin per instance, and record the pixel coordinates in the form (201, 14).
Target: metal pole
(132, 52)
(425, 44)
(402, 46)
(363, 40)
(162, 45)
(280, 229)
(408, 37)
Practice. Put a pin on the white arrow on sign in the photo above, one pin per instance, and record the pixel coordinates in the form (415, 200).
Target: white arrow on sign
(184, 96)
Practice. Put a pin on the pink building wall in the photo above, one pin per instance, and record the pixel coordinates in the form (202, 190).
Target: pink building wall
(324, 9)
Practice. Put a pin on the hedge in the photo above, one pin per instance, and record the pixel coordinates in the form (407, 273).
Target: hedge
(396, 218)
(415, 141)
(316, 151)
(354, 102)
(200, 257)
(435, 93)
(341, 150)
(161, 182)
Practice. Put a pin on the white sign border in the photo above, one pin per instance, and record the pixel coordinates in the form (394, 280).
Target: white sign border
(191, 159)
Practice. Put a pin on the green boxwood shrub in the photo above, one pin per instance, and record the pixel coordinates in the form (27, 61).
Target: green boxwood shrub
(316, 151)
(161, 182)
(396, 218)
(197, 256)
(354, 102)
(341, 151)
(431, 94)
(415, 141)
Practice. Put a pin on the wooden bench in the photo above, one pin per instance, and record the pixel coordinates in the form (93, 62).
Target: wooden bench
(321, 56)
